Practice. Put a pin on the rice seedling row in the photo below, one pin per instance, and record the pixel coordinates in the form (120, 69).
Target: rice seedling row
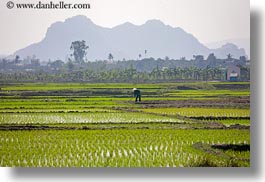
(117, 148)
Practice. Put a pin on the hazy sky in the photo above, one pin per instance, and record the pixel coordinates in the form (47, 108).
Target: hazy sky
(207, 20)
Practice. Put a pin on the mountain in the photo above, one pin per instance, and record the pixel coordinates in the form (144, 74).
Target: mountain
(241, 43)
(2, 56)
(229, 48)
(123, 41)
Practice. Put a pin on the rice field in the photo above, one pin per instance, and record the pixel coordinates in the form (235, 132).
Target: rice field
(117, 148)
(204, 112)
(100, 125)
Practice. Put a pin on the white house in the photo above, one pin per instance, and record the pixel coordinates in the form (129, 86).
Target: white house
(233, 73)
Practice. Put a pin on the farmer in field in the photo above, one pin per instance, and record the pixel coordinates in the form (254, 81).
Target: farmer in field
(137, 94)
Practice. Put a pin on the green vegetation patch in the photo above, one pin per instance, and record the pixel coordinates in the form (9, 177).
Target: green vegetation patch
(100, 125)
(200, 112)
(117, 148)
(66, 118)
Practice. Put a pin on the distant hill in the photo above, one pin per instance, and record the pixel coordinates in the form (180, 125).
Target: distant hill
(2, 56)
(242, 43)
(123, 41)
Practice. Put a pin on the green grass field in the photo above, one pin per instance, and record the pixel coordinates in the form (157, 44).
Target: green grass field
(100, 125)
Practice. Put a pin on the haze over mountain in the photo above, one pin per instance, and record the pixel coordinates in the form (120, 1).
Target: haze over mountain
(123, 41)
(242, 43)
(3, 56)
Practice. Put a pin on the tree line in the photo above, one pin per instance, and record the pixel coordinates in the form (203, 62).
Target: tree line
(138, 71)
(129, 74)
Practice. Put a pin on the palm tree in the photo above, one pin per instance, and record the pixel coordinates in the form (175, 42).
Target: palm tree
(229, 56)
(110, 57)
(145, 52)
(206, 73)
